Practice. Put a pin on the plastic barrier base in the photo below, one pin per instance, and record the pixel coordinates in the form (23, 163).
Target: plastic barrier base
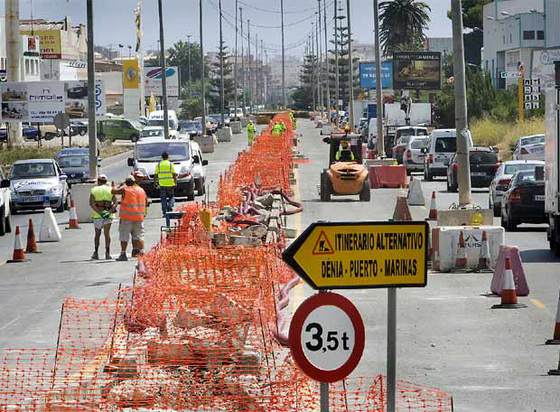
(388, 177)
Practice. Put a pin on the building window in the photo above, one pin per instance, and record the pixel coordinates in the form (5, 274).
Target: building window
(510, 38)
(504, 39)
(528, 35)
(27, 67)
(540, 34)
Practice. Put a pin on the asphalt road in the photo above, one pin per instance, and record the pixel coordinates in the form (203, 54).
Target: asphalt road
(448, 337)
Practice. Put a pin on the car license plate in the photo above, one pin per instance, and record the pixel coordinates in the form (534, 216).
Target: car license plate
(33, 199)
(539, 198)
(478, 173)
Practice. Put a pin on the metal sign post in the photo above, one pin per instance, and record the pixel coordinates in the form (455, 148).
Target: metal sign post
(324, 397)
(391, 348)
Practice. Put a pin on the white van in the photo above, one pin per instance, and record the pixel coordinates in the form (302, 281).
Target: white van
(156, 119)
(186, 157)
(441, 147)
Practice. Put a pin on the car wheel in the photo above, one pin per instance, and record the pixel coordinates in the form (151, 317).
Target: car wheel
(511, 225)
(427, 176)
(61, 208)
(199, 187)
(8, 224)
(83, 132)
(365, 194)
(49, 136)
(496, 209)
(134, 138)
(101, 137)
(325, 187)
(2, 222)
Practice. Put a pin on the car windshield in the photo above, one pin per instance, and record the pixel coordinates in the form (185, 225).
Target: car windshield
(152, 152)
(418, 143)
(191, 126)
(73, 161)
(151, 133)
(483, 157)
(136, 124)
(446, 144)
(159, 122)
(525, 176)
(524, 141)
(405, 132)
(33, 170)
(511, 169)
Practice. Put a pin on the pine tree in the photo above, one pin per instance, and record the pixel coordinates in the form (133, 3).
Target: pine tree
(305, 96)
(343, 67)
(215, 81)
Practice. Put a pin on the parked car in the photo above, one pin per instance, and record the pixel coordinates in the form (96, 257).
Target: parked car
(442, 146)
(502, 179)
(413, 158)
(523, 202)
(78, 127)
(119, 128)
(37, 183)
(29, 132)
(402, 137)
(484, 163)
(529, 148)
(74, 162)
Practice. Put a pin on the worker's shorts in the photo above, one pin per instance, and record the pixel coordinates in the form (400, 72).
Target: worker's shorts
(128, 228)
(99, 224)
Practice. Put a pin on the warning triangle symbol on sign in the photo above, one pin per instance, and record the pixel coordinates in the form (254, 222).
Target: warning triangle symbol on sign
(323, 245)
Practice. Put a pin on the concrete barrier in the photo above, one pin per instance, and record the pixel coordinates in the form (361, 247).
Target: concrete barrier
(206, 143)
(80, 195)
(519, 278)
(379, 162)
(235, 127)
(224, 134)
(464, 217)
(388, 176)
(445, 245)
(415, 193)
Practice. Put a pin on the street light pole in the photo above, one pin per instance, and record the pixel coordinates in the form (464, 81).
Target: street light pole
(235, 62)
(319, 60)
(351, 69)
(203, 80)
(463, 172)
(243, 98)
(378, 82)
(92, 124)
(284, 99)
(337, 74)
(249, 62)
(163, 72)
(189, 70)
(327, 70)
(221, 54)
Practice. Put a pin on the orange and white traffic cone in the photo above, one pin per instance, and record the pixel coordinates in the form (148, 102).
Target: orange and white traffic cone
(509, 294)
(484, 259)
(73, 221)
(556, 336)
(18, 255)
(31, 241)
(433, 208)
(461, 259)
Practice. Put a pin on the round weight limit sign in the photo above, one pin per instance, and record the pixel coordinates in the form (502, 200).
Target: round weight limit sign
(327, 337)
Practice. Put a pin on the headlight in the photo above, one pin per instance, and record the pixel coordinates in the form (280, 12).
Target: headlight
(185, 169)
(56, 190)
(142, 171)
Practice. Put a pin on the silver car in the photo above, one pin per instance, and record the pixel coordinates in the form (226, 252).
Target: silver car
(529, 148)
(502, 180)
(413, 158)
(36, 184)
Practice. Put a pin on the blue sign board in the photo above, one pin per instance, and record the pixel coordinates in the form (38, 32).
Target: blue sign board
(367, 75)
(371, 111)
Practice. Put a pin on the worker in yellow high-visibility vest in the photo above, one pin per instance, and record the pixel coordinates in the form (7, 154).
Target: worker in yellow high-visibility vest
(166, 179)
(103, 204)
(251, 130)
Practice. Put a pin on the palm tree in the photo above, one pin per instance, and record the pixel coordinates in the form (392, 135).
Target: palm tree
(403, 23)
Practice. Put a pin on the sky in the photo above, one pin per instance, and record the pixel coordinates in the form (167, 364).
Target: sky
(114, 21)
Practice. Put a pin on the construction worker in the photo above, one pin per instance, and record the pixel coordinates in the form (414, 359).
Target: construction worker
(103, 204)
(344, 153)
(277, 129)
(166, 179)
(293, 119)
(134, 206)
(251, 130)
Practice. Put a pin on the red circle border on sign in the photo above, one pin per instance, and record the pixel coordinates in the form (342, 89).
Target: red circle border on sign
(303, 311)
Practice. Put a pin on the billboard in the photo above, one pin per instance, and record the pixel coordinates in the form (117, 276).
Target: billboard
(417, 70)
(40, 102)
(50, 43)
(152, 81)
(368, 76)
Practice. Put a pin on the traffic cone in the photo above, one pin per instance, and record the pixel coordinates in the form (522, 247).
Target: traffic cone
(509, 295)
(484, 259)
(18, 255)
(402, 211)
(433, 208)
(556, 336)
(31, 242)
(461, 259)
(73, 221)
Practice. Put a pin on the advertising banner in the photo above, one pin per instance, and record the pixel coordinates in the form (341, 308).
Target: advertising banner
(131, 74)
(76, 94)
(417, 70)
(368, 75)
(50, 43)
(152, 81)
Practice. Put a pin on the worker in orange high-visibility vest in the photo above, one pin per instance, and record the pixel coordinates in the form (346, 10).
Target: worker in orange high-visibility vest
(134, 206)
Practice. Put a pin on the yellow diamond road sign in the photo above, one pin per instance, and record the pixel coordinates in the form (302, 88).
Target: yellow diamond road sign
(356, 255)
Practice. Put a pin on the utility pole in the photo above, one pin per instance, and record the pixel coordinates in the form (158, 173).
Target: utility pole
(189, 70)
(463, 172)
(312, 54)
(13, 45)
(92, 125)
(163, 72)
(235, 64)
(249, 62)
(351, 69)
(222, 96)
(203, 75)
(284, 99)
(378, 82)
(337, 74)
(318, 44)
(327, 72)
(243, 99)
(257, 71)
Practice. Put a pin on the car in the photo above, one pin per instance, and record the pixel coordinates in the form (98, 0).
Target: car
(74, 162)
(36, 184)
(49, 131)
(236, 113)
(441, 147)
(502, 180)
(190, 127)
(523, 202)
(152, 131)
(326, 130)
(402, 136)
(413, 158)
(29, 132)
(199, 169)
(78, 92)
(217, 119)
(529, 148)
(78, 127)
(484, 163)
(119, 128)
